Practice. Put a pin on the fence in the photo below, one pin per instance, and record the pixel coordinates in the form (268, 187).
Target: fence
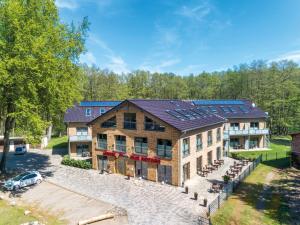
(231, 186)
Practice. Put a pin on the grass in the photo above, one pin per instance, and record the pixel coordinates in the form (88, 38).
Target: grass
(279, 145)
(244, 206)
(14, 215)
(58, 142)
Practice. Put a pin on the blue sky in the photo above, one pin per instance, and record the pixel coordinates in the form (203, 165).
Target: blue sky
(185, 37)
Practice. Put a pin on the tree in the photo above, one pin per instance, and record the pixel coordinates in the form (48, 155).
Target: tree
(39, 75)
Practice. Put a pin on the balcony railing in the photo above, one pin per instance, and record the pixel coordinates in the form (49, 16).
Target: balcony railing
(76, 138)
(245, 132)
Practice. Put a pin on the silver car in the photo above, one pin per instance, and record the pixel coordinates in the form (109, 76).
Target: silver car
(23, 180)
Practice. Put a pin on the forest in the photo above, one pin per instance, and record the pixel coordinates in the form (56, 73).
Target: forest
(273, 86)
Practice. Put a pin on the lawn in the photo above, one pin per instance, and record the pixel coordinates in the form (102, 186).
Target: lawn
(279, 145)
(58, 142)
(260, 199)
(14, 215)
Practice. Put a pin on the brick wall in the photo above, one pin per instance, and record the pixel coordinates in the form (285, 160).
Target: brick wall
(170, 133)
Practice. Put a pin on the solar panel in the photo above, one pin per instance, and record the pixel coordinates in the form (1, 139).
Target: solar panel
(244, 109)
(99, 103)
(213, 109)
(225, 109)
(218, 102)
(175, 114)
(185, 113)
(232, 109)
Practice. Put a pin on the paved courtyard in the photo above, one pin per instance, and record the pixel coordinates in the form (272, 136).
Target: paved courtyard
(146, 202)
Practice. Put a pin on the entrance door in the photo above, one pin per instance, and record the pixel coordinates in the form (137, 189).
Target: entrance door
(121, 166)
(81, 148)
(141, 169)
(186, 171)
(199, 164)
(218, 153)
(209, 158)
(164, 174)
(102, 162)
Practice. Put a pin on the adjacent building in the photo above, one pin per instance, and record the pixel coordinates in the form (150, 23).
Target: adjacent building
(166, 141)
(246, 126)
(76, 119)
(295, 145)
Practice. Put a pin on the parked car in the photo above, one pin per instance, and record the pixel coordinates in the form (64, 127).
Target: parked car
(23, 180)
(20, 150)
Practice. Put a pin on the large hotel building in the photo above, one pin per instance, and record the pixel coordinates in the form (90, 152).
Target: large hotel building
(163, 140)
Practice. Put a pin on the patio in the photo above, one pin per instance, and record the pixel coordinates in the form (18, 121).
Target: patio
(202, 185)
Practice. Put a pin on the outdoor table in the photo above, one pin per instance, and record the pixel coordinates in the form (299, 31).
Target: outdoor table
(236, 171)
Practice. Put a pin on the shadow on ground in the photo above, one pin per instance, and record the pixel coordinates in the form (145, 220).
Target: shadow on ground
(278, 200)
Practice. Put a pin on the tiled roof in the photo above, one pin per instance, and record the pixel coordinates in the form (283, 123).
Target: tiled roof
(163, 109)
(231, 109)
(78, 112)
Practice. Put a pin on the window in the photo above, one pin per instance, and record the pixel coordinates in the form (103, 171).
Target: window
(254, 125)
(152, 125)
(218, 134)
(209, 138)
(129, 121)
(234, 143)
(199, 145)
(109, 123)
(185, 147)
(141, 145)
(88, 112)
(102, 110)
(234, 126)
(164, 148)
(102, 141)
(81, 131)
(120, 143)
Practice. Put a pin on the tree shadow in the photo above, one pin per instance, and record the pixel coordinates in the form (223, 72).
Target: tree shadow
(280, 163)
(62, 151)
(281, 141)
(279, 200)
(30, 161)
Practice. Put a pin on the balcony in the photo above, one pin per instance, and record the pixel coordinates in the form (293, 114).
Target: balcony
(245, 132)
(80, 138)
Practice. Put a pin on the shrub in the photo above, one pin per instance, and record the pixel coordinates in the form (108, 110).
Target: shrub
(76, 163)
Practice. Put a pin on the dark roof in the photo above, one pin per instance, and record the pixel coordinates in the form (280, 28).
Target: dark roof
(231, 109)
(180, 114)
(99, 103)
(295, 133)
(78, 112)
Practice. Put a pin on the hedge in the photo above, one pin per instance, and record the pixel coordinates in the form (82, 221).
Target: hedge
(76, 163)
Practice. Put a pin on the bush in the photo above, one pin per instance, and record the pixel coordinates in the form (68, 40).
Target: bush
(76, 163)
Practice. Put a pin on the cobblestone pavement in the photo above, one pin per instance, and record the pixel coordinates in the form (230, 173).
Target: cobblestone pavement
(146, 202)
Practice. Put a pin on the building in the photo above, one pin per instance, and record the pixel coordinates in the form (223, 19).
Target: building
(163, 140)
(76, 119)
(246, 126)
(159, 140)
(295, 145)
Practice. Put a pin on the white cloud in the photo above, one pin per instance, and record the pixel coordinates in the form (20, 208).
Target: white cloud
(198, 12)
(114, 62)
(88, 58)
(161, 66)
(67, 4)
(118, 65)
(294, 56)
